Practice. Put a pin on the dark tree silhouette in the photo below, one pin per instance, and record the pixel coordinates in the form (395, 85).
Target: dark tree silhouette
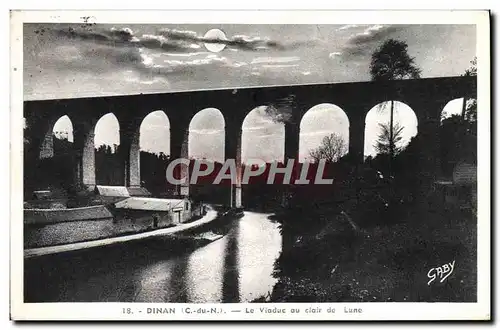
(469, 109)
(458, 133)
(280, 111)
(392, 62)
(458, 141)
(331, 149)
(472, 71)
(387, 143)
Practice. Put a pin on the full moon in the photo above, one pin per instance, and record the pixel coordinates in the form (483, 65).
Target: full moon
(215, 34)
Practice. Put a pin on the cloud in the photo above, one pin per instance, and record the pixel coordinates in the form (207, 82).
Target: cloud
(361, 44)
(347, 27)
(152, 41)
(350, 52)
(113, 55)
(237, 64)
(144, 61)
(372, 34)
(138, 64)
(144, 53)
(124, 37)
(101, 51)
(179, 34)
(279, 66)
(183, 54)
(334, 54)
(196, 62)
(148, 82)
(122, 33)
(238, 42)
(178, 66)
(269, 60)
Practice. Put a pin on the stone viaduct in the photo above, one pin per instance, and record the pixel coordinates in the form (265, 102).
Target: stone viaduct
(427, 97)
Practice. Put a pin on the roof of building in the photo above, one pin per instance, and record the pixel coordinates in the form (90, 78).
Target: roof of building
(149, 204)
(122, 191)
(115, 191)
(138, 191)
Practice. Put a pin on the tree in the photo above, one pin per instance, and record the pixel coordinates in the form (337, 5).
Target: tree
(472, 71)
(457, 142)
(387, 143)
(392, 62)
(331, 149)
(281, 110)
(458, 133)
(469, 109)
(26, 133)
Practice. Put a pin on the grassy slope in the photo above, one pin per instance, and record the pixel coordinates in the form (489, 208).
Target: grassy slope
(390, 263)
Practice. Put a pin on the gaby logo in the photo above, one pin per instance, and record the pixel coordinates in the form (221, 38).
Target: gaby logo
(181, 171)
(441, 272)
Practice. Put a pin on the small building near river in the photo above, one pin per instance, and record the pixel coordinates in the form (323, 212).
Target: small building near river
(162, 212)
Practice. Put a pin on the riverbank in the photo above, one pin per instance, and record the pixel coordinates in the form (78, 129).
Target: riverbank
(382, 263)
(185, 227)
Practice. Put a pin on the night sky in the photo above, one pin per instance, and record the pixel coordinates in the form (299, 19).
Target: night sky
(75, 60)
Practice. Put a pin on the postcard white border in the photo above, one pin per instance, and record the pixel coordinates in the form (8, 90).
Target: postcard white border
(371, 311)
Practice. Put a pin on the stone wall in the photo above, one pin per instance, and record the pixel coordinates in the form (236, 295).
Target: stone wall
(66, 226)
(40, 235)
(47, 216)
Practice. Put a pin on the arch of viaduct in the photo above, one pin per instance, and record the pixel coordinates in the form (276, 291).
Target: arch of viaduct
(427, 97)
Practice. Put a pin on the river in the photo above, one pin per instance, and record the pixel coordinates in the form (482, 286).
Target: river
(235, 268)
